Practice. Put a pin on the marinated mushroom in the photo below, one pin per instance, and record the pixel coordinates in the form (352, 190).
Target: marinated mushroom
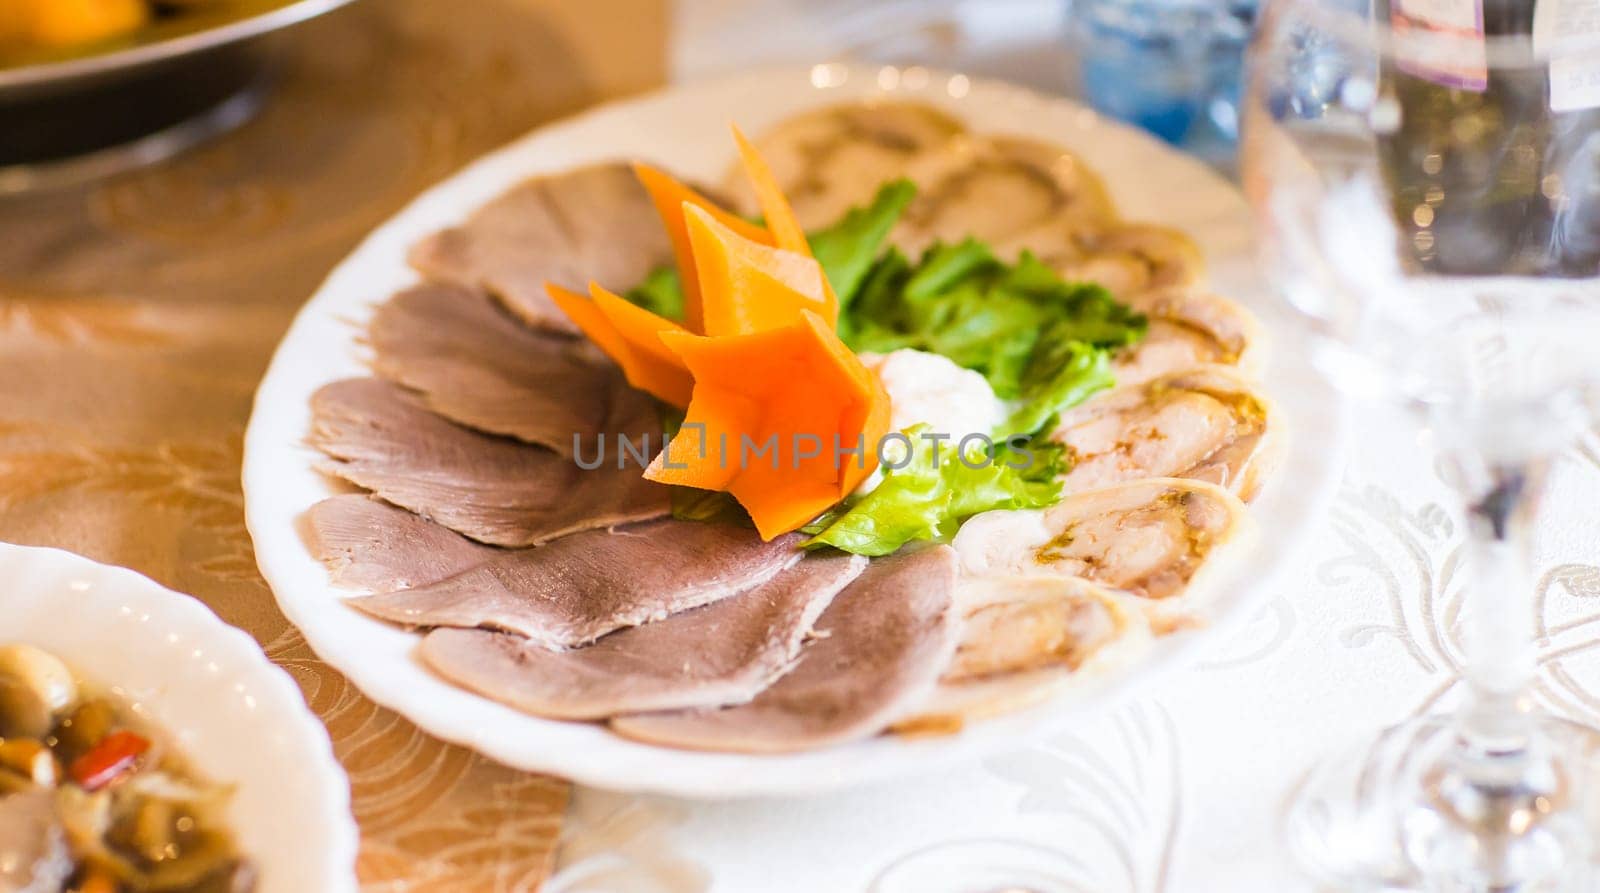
(34, 857)
(35, 686)
(91, 802)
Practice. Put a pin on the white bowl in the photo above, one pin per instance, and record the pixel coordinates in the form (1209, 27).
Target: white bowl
(686, 129)
(239, 719)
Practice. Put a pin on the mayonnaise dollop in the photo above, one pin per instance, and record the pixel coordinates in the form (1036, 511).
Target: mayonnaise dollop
(929, 389)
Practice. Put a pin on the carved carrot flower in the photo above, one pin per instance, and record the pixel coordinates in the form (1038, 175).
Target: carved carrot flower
(780, 413)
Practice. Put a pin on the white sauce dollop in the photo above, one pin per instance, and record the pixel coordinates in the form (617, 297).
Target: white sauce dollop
(926, 388)
(929, 389)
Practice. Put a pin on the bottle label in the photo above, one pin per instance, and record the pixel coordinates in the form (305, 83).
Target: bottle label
(1442, 41)
(1568, 32)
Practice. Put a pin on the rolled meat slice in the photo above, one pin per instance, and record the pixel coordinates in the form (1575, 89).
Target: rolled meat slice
(1150, 538)
(1207, 423)
(1126, 258)
(1010, 625)
(832, 159)
(1188, 328)
(995, 188)
(1026, 639)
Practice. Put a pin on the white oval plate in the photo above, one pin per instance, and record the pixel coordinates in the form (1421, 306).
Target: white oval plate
(239, 719)
(686, 129)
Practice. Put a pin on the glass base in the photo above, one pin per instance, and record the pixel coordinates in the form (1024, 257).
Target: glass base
(981, 866)
(1418, 809)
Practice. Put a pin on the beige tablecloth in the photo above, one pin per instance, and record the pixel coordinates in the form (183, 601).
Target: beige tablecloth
(137, 315)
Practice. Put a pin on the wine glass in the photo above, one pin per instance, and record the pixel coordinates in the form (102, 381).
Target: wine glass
(1427, 178)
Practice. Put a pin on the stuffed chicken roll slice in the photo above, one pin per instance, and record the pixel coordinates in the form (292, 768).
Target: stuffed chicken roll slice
(1150, 538)
(832, 159)
(1126, 258)
(1025, 638)
(1012, 624)
(995, 188)
(1189, 327)
(1207, 424)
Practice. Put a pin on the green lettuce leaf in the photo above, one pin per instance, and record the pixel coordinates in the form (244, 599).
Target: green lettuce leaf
(945, 266)
(1040, 341)
(1060, 374)
(660, 293)
(1080, 311)
(1033, 456)
(928, 498)
(846, 250)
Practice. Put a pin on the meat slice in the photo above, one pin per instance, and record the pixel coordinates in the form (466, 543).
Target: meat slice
(473, 364)
(1206, 423)
(34, 857)
(580, 587)
(1028, 623)
(379, 436)
(995, 188)
(1126, 258)
(723, 653)
(371, 545)
(1188, 328)
(1148, 537)
(881, 647)
(590, 223)
(832, 159)
(1026, 639)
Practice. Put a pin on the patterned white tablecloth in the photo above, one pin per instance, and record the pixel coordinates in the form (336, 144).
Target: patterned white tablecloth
(1180, 789)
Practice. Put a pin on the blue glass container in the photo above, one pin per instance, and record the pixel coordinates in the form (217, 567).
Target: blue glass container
(1172, 67)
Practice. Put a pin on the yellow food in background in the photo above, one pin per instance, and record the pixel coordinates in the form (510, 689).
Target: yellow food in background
(15, 19)
(63, 23)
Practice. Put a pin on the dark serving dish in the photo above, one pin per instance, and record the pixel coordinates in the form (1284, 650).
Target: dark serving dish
(70, 115)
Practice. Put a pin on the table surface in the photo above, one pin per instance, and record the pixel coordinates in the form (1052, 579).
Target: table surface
(136, 317)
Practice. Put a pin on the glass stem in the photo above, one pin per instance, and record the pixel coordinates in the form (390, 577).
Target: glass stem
(1498, 604)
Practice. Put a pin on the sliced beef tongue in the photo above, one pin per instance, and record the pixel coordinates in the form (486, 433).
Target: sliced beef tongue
(723, 653)
(371, 545)
(473, 364)
(592, 223)
(560, 595)
(380, 436)
(881, 647)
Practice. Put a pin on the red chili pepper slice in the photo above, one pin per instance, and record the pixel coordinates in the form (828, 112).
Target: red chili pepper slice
(107, 761)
